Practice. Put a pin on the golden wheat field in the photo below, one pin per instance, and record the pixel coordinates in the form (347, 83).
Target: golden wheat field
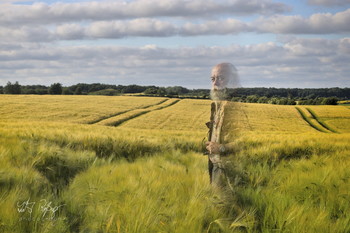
(136, 164)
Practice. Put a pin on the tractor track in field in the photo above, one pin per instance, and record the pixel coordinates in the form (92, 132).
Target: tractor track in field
(133, 113)
(117, 123)
(323, 124)
(313, 122)
(123, 112)
(246, 117)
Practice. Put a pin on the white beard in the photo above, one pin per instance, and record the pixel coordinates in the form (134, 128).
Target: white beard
(218, 94)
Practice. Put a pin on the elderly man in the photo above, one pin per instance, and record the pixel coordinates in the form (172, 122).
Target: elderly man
(221, 75)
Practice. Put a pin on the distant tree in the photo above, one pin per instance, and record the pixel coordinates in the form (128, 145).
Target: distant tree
(318, 100)
(12, 88)
(67, 91)
(151, 91)
(282, 101)
(78, 91)
(291, 102)
(309, 102)
(161, 91)
(330, 101)
(236, 99)
(252, 99)
(28, 91)
(1, 90)
(176, 90)
(34, 89)
(97, 87)
(55, 89)
(42, 91)
(273, 100)
(263, 99)
(109, 92)
(133, 89)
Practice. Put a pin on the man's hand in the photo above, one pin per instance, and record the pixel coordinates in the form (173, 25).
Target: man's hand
(213, 147)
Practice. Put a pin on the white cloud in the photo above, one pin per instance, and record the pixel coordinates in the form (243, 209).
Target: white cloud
(143, 27)
(70, 32)
(41, 13)
(215, 27)
(297, 63)
(324, 23)
(25, 33)
(137, 27)
(311, 48)
(32, 38)
(329, 2)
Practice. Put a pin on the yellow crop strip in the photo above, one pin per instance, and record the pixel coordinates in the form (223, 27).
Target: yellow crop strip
(120, 118)
(186, 115)
(258, 118)
(337, 117)
(78, 109)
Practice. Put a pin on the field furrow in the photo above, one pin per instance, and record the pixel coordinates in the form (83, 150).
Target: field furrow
(128, 115)
(186, 115)
(73, 109)
(120, 113)
(319, 121)
(311, 121)
(335, 117)
(257, 118)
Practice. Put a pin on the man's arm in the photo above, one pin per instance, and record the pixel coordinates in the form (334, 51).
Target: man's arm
(222, 149)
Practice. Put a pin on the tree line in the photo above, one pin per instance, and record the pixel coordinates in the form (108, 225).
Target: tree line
(284, 96)
(102, 89)
(287, 101)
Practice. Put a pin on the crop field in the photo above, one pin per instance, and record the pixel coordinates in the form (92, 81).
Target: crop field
(136, 164)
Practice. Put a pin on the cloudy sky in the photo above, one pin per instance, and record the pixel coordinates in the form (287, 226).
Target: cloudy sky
(273, 43)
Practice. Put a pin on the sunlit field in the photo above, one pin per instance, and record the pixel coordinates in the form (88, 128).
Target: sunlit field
(135, 164)
(77, 109)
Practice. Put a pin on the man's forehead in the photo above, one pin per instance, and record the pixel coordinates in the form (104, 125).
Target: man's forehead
(221, 71)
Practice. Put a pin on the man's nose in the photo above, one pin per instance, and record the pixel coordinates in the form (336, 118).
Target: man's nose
(216, 82)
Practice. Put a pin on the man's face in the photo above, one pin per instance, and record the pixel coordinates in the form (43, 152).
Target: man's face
(219, 78)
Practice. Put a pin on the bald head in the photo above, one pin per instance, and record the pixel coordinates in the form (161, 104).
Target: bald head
(222, 74)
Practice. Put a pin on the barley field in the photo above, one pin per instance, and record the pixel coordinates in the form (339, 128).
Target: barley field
(136, 164)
